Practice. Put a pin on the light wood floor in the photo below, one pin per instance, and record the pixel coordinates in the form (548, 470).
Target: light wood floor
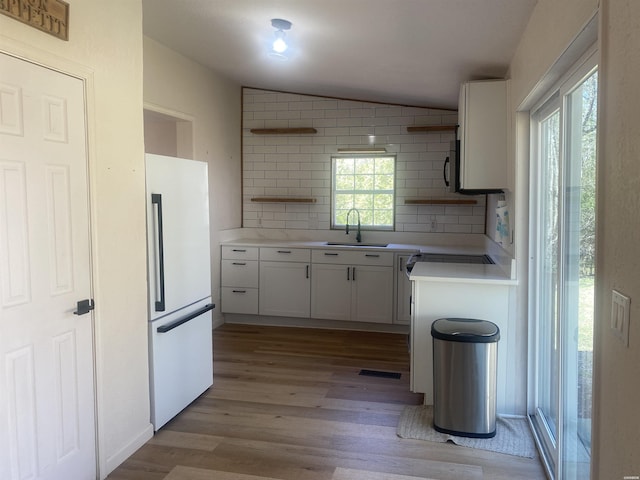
(289, 404)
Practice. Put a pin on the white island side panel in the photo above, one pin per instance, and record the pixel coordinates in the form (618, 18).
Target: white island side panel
(439, 299)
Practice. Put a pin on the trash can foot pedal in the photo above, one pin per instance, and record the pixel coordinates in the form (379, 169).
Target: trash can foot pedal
(464, 434)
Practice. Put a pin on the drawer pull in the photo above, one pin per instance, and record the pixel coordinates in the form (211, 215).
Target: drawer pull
(238, 250)
(238, 263)
(307, 271)
(331, 254)
(284, 251)
(239, 291)
(371, 255)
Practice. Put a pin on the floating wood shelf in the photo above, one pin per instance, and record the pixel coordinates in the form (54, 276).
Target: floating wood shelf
(283, 200)
(283, 131)
(441, 201)
(432, 128)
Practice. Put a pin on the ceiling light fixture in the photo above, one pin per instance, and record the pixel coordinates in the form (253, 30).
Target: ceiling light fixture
(279, 45)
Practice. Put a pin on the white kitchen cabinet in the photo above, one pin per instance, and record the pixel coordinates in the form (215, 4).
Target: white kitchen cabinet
(403, 291)
(240, 280)
(285, 285)
(372, 294)
(483, 134)
(331, 291)
(352, 285)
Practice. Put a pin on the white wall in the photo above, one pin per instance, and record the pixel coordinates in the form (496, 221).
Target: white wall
(175, 83)
(617, 390)
(105, 48)
(300, 165)
(616, 432)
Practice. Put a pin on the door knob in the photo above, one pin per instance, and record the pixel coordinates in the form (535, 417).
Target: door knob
(84, 306)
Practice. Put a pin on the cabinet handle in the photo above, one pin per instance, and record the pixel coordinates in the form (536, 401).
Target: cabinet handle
(284, 251)
(353, 275)
(238, 263)
(307, 271)
(239, 291)
(156, 199)
(181, 321)
(444, 172)
(331, 254)
(400, 265)
(348, 274)
(371, 255)
(238, 250)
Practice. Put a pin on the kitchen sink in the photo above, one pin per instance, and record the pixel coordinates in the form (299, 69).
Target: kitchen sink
(357, 244)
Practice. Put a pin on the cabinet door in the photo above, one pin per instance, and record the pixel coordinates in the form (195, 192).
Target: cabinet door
(403, 293)
(483, 135)
(285, 289)
(331, 291)
(372, 290)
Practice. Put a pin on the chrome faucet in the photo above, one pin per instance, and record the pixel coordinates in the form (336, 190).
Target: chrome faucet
(359, 235)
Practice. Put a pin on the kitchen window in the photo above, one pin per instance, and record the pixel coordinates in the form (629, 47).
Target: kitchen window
(365, 183)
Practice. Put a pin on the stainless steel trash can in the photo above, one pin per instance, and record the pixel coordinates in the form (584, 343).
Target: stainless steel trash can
(465, 353)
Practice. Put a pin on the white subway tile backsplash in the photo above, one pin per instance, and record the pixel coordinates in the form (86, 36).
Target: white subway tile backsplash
(457, 228)
(301, 105)
(276, 106)
(265, 116)
(288, 115)
(349, 122)
(355, 131)
(312, 114)
(336, 131)
(300, 165)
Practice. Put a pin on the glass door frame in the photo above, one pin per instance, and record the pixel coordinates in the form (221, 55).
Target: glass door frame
(556, 100)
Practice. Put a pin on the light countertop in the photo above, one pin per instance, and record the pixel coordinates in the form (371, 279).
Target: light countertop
(422, 271)
(460, 273)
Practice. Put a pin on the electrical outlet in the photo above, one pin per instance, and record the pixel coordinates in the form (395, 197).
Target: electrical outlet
(620, 316)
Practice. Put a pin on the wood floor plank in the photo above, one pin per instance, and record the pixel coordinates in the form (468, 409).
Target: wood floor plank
(289, 404)
(195, 441)
(351, 474)
(189, 473)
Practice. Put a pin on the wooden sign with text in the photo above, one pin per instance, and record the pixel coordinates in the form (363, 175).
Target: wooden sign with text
(50, 16)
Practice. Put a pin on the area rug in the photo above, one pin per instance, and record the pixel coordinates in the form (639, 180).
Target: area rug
(513, 436)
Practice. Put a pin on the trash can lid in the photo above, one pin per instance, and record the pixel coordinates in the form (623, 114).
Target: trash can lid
(468, 330)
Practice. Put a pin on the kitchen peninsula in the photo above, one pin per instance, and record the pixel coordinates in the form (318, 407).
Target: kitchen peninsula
(448, 290)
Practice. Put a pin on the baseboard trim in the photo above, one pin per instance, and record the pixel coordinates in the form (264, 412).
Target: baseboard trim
(314, 323)
(115, 460)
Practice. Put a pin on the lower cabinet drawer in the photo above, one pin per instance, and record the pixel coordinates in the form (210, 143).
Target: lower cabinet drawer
(239, 300)
(240, 272)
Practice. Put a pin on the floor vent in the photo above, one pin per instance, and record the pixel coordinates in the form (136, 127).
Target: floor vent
(379, 373)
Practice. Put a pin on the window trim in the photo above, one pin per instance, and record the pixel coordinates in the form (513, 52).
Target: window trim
(363, 227)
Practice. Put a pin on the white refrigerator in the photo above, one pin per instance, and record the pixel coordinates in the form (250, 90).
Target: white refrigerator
(179, 272)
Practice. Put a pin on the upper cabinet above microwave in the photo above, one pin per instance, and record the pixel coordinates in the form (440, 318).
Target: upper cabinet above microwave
(483, 118)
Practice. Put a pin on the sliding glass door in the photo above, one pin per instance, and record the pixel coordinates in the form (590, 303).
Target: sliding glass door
(562, 271)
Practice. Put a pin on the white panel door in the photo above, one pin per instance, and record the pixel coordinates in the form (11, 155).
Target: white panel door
(47, 428)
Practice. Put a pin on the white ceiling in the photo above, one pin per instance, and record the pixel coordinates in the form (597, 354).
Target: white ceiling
(412, 52)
